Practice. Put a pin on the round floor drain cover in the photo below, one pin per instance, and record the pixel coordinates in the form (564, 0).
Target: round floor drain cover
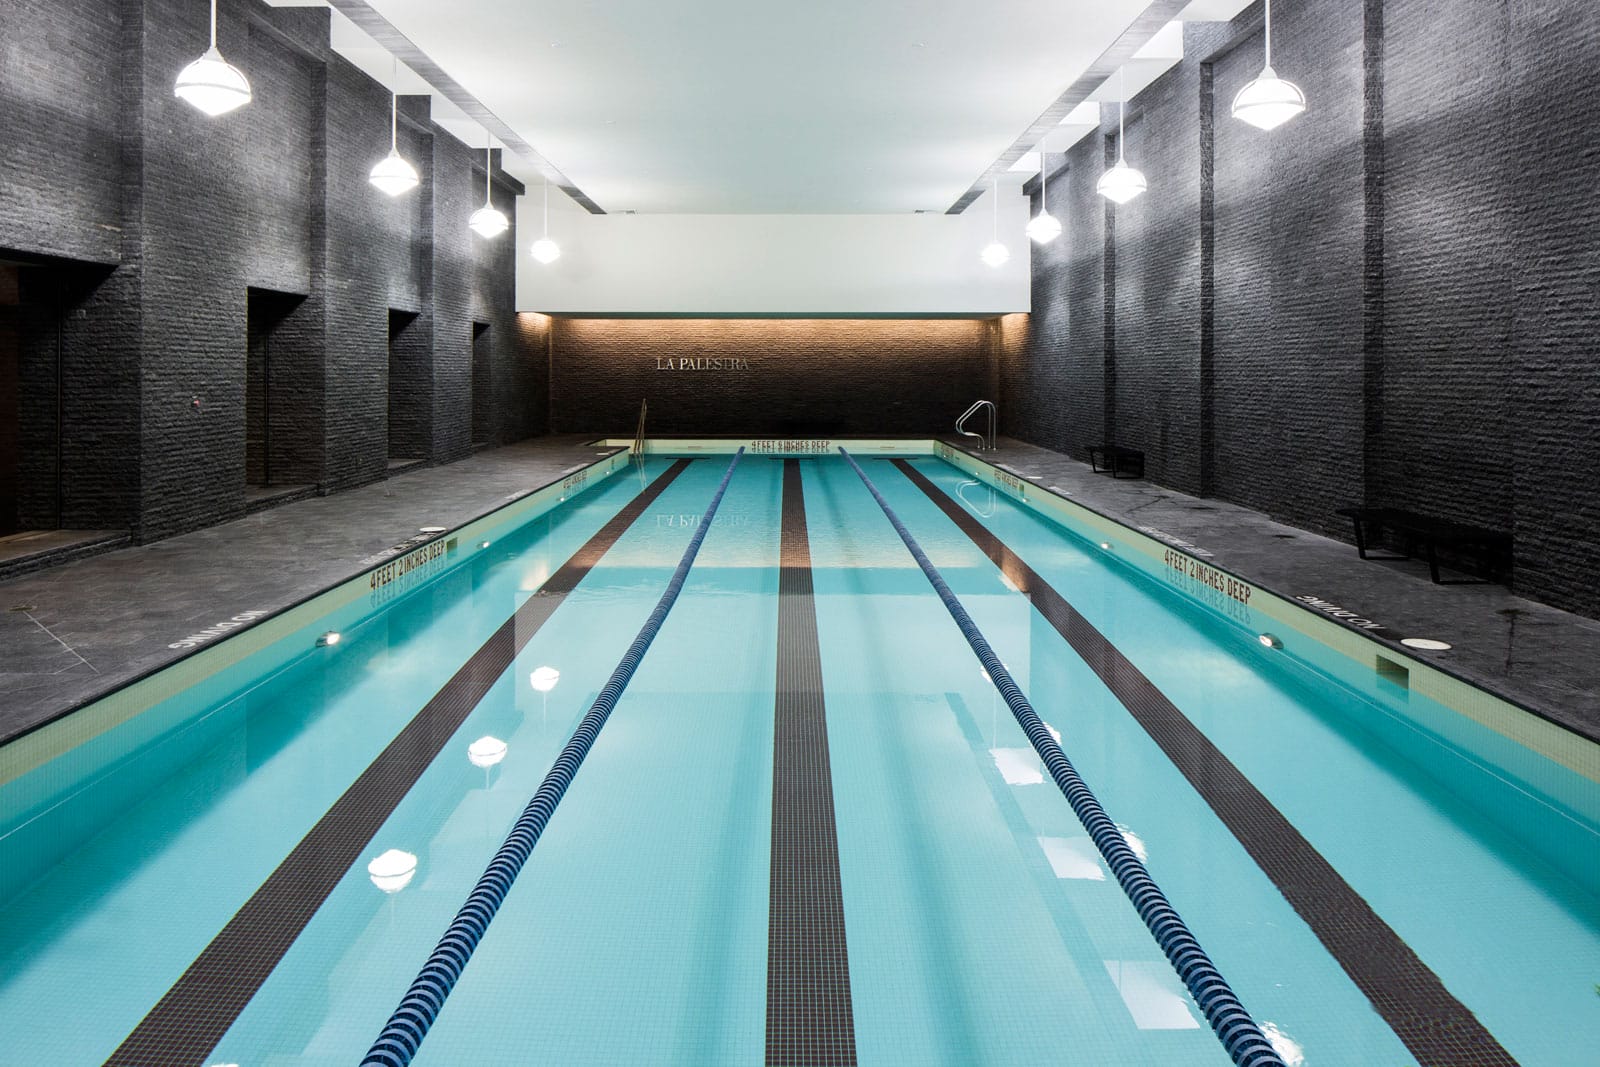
(1427, 643)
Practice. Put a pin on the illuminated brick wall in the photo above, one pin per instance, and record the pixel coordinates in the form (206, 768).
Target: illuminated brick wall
(767, 376)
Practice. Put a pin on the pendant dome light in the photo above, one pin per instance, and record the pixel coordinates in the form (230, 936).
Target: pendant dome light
(1121, 183)
(210, 83)
(1043, 227)
(994, 253)
(1269, 101)
(488, 221)
(545, 250)
(392, 174)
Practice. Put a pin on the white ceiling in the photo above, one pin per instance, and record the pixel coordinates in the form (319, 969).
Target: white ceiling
(756, 106)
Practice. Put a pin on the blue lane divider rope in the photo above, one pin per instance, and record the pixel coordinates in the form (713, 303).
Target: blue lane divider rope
(1234, 1027)
(409, 1024)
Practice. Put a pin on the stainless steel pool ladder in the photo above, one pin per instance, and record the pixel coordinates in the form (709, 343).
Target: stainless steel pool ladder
(994, 424)
(638, 436)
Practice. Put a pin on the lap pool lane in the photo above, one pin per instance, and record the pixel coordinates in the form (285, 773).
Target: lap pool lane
(966, 946)
(637, 932)
(159, 867)
(1468, 869)
(618, 943)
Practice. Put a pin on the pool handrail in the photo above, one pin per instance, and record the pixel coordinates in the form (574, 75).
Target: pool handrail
(984, 444)
(1241, 1037)
(402, 1035)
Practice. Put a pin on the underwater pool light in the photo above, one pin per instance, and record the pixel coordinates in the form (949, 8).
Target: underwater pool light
(328, 639)
(1270, 640)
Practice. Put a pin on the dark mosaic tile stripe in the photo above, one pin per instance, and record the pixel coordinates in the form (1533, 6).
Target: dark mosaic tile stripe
(809, 1018)
(1436, 1027)
(183, 1028)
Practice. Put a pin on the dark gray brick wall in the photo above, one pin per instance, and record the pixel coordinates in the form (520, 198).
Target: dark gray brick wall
(99, 163)
(1286, 316)
(1554, 450)
(1390, 299)
(518, 367)
(806, 376)
(60, 122)
(1449, 359)
(1052, 384)
(1157, 269)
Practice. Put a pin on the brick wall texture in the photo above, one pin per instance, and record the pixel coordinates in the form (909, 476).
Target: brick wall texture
(826, 377)
(1391, 299)
(161, 246)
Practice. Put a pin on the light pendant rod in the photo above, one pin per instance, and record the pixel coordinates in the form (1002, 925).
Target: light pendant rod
(394, 104)
(213, 23)
(488, 164)
(1044, 179)
(1122, 110)
(1269, 33)
(996, 197)
(546, 207)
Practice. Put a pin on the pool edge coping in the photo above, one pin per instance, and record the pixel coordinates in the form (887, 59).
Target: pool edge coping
(1507, 716)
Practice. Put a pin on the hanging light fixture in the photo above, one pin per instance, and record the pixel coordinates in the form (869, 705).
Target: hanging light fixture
(1043, 227)
(994, 253)
(210, 83)
(392, 174)
(545, 250)
(1269, 101)
(488, 221)
(1121, 183)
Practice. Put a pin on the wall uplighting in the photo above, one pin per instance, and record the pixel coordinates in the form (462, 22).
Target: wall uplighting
(210, 83)
(994, 253)
(1043, 227)
(392, 174)
(1121, 183)
(545, 250)
(1269, 101)
(488, 221)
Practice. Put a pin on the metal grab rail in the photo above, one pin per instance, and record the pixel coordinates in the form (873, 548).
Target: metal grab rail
(994, 423)
(638, 435)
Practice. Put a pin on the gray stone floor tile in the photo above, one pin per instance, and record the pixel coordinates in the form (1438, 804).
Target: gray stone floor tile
(92, 625)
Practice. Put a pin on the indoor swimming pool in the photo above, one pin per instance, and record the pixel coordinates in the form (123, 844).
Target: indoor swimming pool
(811, 831)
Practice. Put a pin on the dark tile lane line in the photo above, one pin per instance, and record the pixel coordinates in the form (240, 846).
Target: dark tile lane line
(809, 1018)
(1435, 1026)
(186, 1024)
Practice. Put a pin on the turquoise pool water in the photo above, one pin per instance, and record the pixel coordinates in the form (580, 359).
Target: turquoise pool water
(981, 925)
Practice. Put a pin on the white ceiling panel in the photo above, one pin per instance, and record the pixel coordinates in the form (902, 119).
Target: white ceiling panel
(753, 106)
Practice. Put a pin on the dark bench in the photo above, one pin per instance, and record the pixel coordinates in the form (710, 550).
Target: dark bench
(1492, 548)
(1120, 462)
